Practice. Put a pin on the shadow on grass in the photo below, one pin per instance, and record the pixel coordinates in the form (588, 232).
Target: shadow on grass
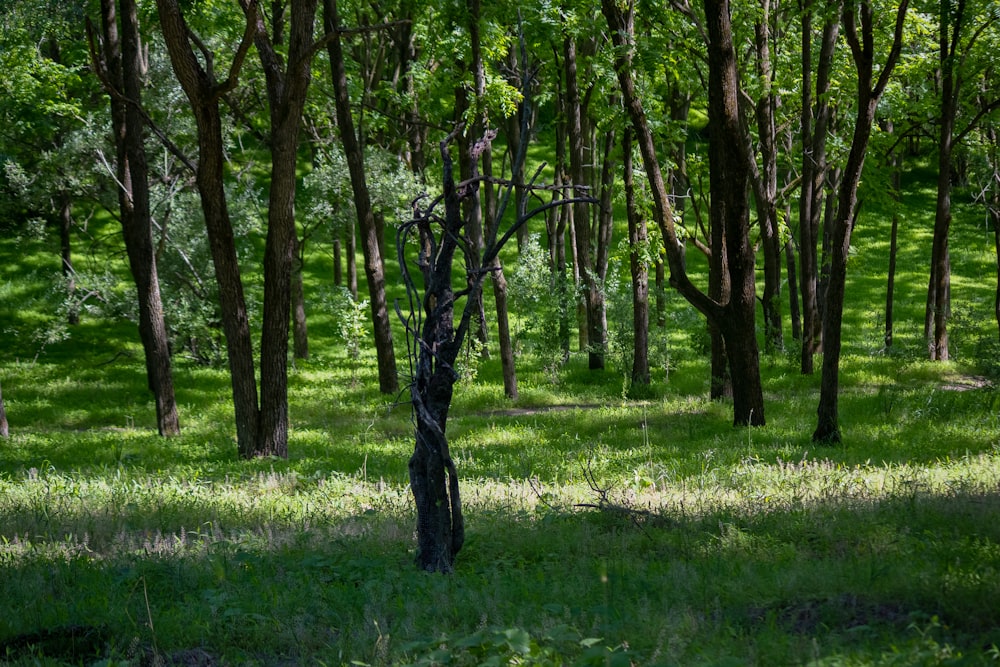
(908, 574)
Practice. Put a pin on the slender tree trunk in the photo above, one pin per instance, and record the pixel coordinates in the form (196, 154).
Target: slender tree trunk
(638, 241)
(300, 330)
(4, 428)
(994, 208)
(589, 281)
(890, 289)
(660, 281)
(472, 209)
(286, 95)
(557, 242)
(338, 267)
(603, 233)
(351, 252)
(939, 292)
(729, 170)
(66, 252)
(794, 314)
(814, 126)
(828, 428)
(729, 164)
(204, 93)
(123, 64)
(374, 267)
(766, 185)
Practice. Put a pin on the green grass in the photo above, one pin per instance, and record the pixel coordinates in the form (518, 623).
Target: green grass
(600, 530)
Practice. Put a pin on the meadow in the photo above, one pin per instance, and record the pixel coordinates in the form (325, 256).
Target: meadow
(602, 530)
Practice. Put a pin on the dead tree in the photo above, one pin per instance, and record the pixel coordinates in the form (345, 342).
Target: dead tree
(434, 341)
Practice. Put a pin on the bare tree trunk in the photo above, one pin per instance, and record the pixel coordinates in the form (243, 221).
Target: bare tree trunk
(123, 66)
(374, 267)
(638, 240)
(828, 428)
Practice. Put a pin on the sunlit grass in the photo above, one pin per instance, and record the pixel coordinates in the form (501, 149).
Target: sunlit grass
(601, 530)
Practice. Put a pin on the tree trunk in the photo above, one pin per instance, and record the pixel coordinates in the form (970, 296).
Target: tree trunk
(589, 282)
(4, 428)
(766, 185)
(939, 292)
(729, 170)
(994, 209)
(351, 252)
(828, 428)
(300, 330)
(794, 314)
(661, 293)
(374, 267)
(730, 165)
(204, 94)
(338, 266)
(122, 62)
(66, 252)
(603, 232)
(638, 241)
(472, 209)
(557, 229)
(890, 288)
(286, 96)
(815, 122)
(433, 477)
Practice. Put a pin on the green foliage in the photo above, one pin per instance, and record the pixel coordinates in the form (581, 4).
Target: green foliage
(533, 291)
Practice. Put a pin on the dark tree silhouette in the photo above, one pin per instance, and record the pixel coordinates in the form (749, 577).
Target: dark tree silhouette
(434, 343)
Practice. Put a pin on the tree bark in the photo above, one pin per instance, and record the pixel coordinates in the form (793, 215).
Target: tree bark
(66, 252)
(638, 252)
(472, 207)
(765, 182)
(123, 66)
(729, 171)
(939, 292)
(300, 328)
(204, 93)
(890, 288)
(828, 428)
(4, 428)
(581, 218)
(374, 266)
(730, 166)
(287, 86)
(815, 121)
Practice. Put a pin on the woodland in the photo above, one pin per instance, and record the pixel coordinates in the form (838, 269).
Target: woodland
(669, 333)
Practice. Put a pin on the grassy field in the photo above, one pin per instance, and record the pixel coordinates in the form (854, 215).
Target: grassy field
(600, 530)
